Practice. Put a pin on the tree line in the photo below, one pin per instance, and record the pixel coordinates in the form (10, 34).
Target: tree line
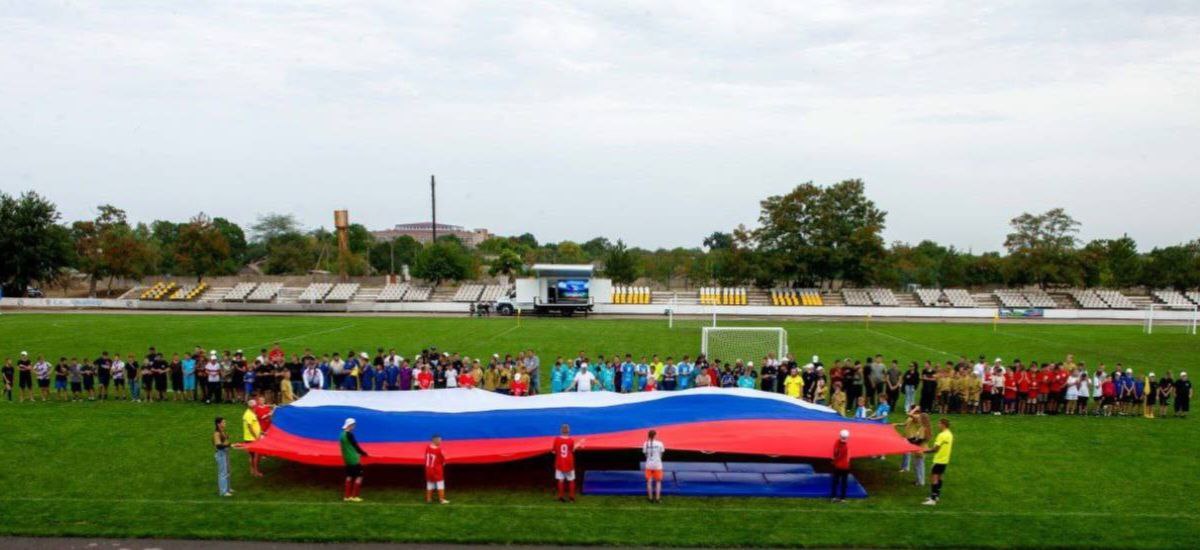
(812, 236)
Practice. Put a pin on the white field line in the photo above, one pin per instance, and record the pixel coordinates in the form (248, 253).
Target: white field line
(916, 511)
(298, 336)
(911, 343)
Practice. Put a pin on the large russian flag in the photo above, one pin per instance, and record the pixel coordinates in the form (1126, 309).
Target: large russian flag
(478, 426)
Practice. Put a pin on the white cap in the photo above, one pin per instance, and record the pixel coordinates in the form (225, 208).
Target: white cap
(1184, 373)
(213, 356)
(364, 356)
(1128, 371)
(239, 352)
(815, 359)
(349, 422)
(24, 353)
(496, 355)
(844, 434)
(1151, 375)
(750, 363)
(212, 352)
(999, 360)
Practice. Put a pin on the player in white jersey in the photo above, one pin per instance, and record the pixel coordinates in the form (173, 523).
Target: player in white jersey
(653, 449)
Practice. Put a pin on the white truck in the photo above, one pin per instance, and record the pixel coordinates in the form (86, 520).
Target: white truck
(556, 289)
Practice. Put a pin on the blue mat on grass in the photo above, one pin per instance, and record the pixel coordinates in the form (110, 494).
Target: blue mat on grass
(743, 484)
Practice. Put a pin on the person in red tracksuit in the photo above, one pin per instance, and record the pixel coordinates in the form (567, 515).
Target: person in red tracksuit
(841, 467)
(564, 462)
(435, 464)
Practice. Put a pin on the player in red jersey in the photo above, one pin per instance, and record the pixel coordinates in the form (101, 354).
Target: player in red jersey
(564, 462)
(435, 476)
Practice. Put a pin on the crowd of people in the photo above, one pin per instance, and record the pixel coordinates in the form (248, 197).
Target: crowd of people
(866, 388)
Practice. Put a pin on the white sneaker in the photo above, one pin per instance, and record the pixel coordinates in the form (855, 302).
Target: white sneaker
(929, 502)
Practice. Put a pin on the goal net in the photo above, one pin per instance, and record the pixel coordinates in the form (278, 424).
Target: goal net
(1171, 318)
(745, 343)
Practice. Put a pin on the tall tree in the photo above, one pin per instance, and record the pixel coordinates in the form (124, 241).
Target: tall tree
(814, 234)
(235, 237)
(444, 260)
(1041, 248)
(33, 247)
(271, 225)
(507, 263)
(390, 256)
(620, 264)
(202, 248)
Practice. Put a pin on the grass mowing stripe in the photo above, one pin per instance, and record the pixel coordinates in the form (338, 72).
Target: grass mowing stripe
(297, 337)
(1048, 481)
(585, 508)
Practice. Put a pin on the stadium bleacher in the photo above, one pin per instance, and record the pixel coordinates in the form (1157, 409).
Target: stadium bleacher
(160, 291)
(883, 297)
(239, 292)
(393, 292)
(468, 293)
(264, 292)
(1194, 297)
(1172, 298)
(929, 297)
(1115, 299)
(1039, 298)
(959, 297)
(946, 297)
(315, 292)
(856, 297)
(631, 295)
(418, 294)
(1087, 298)
(491, 293)
(342, 292)
(723, 296)
(187, 293)
(1011, 298)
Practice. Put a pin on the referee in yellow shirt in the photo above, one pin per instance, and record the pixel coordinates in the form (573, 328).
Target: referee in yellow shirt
(943, 444)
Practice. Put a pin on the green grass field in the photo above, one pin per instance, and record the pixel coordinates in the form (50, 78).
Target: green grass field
(146, 470)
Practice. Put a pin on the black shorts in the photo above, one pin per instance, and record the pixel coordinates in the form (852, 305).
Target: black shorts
(89, 383)
(43, 382)
(938, 469)
(1182, 404)
(76, 387)
(25, 382)
(1151, 398)
(354, 470)
(1083, 401)
(103, 379)
(118, 382)
(177, 382)
(160, 383)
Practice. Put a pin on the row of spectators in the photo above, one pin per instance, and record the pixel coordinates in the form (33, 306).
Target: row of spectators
(849, 386)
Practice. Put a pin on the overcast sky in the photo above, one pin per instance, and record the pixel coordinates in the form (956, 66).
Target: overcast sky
(654, 122)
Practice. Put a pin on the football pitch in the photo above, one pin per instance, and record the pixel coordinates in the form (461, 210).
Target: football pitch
(120, 469)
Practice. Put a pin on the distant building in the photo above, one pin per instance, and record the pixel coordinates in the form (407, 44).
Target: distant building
(421, 232)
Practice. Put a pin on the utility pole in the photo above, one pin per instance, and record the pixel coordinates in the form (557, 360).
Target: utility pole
(433, 205)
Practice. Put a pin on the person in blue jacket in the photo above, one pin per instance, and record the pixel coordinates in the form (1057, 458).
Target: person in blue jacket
(380, 376)
(559, 375)
(392, 376)
(627, 374)
(685, 374)
(642, 370)
(607, 376)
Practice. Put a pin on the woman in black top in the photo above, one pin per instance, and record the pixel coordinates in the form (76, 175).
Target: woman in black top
(8, 372)
(928, 386)
(221, 444)
(176, 370)
(912, 380)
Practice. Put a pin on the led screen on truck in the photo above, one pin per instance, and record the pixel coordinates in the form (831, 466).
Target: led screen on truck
(573, 291)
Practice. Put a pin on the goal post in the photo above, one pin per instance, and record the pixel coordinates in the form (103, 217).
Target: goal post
(1163, 315)
(746, 343)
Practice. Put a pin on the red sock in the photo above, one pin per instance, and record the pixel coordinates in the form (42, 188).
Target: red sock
(560, 488)
(357, 487)
(572, 482)
(349, 488)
